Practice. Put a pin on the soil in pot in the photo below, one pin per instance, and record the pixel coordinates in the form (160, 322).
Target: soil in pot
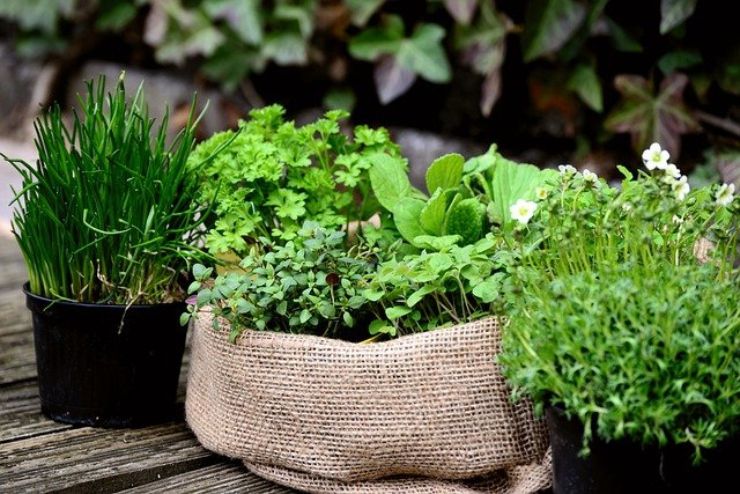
(623, 466)
(105, 365)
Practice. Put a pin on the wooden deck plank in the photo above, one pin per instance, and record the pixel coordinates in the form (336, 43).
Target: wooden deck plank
(226, 477)
(99, 460)
(14, 316)
(20, 413)
(17, 359)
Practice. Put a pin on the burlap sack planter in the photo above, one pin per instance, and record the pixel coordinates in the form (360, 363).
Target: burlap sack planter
(428, 412)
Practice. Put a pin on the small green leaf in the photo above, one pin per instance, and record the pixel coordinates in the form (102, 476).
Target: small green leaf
(397, 312)
(445, 172)
(348, 319)
(442, 242)
(362, 10)
(304, 316)
(184, 318)
(194, 287)
(419, 295)
(381, 327)
(490, 289)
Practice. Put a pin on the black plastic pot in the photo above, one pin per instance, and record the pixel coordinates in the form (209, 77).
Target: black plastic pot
(99, 367)
(621, 467)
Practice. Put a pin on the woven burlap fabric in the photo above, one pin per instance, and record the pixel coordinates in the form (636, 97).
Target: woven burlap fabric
(408, 415)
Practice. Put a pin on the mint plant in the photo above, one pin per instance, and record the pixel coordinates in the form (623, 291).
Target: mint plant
(270, 176)
(311, 284)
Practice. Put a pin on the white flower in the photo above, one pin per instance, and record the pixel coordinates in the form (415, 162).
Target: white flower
(655, 157)
(590, 176)
(522, 211)
(626, 207)
(725, 194)
(677, 220)
(672, 170)
(567, 169)
(541, 193)
(680, 188)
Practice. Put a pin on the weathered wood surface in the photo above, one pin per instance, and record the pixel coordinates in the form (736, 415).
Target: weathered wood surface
(39, 455)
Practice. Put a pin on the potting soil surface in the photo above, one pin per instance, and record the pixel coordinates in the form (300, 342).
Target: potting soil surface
(39, 455)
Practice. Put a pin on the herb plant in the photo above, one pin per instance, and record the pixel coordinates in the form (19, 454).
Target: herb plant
(272, 176)
(307, 285)
(628, 309)
(108, 214)
(649, 352)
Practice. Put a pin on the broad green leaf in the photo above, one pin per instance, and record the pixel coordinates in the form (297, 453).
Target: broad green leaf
(243, 16)
(424, 54)
(389, 180)
(445, 172)
(678, 60)
(406, 217)
(482, 163)
(649, 117)
(585, 83)
(674, 12)
(391, 79)
(432, 217)
(376, 41)
(512, 181)
(362, 10)
(440, 262)
(397, 311)
(548, 25)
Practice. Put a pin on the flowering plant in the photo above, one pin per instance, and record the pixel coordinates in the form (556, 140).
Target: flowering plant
(628, 312)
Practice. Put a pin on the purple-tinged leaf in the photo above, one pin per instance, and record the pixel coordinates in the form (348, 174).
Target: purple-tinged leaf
(462, 10)
(391, 79)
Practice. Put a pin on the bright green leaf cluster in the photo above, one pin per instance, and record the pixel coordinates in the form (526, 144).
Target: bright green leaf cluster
(270, 176)
(650, 352)
(310, 285)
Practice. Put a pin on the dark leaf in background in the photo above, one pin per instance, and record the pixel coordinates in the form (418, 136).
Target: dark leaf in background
(674, 12)
(661, 118)
(285, 48)
(462, 10)
(424, 54)
(490, 92)
(115, 15)
(391, 79)
(728, 165)
(590, 27)
(549, 24)
(585, 83)
(679, 60)
(243, 16)
(362, 10)
(621, 39)
(371, 43)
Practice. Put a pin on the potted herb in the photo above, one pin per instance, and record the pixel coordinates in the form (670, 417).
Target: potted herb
(296, 369)
(107, 223)
(627, 331)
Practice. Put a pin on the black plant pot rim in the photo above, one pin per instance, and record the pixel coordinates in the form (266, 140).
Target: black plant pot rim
(39, 299)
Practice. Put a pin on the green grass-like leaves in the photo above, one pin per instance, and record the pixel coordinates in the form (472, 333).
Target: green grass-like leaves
(107, 214)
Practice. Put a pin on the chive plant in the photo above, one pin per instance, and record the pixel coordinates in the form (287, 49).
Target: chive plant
(108, 214)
